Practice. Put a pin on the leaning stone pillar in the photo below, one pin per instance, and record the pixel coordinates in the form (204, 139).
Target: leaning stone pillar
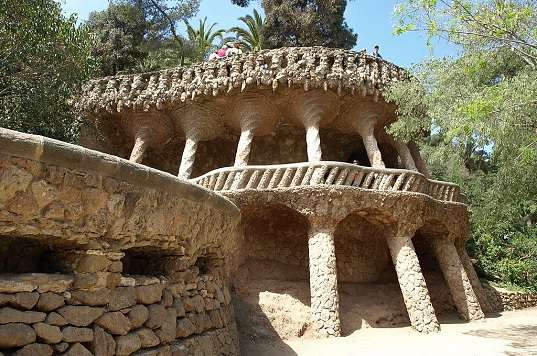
(313, 141)
(406, 156)
(366, 129)
(459, 284)
(418, 160)
(323, 280)
(141, 143)
(244, 146)
(412, 283)
(474, 280)
(189, 157)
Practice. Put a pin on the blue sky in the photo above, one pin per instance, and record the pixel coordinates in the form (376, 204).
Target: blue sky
(371, 19)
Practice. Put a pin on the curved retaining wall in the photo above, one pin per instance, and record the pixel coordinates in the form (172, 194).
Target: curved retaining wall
(133, 257)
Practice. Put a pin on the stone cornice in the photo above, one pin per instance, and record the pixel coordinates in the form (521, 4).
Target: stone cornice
(339, 70)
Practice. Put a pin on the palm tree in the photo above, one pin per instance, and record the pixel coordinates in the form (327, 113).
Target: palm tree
(203, 38)
(250, 38)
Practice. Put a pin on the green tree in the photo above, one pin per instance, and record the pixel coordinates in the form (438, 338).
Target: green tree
(203, 38)
(119, 32)
(44, 58)
(139, 35)
(305, 23)
(250, 37)
(481, 112)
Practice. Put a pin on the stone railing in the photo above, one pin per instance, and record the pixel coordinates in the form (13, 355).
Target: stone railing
(327, 173)
(308, 67)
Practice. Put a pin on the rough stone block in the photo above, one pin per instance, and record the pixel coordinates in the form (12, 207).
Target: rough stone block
(103, 343)
(179, 307)
(127, 344)
(16, 335)
(78, 350)
(114, 322)
(49, 334)
(166, 333)
(147, 337)
(35, 350)
(97, 297)
(149, 294)
(156, 316)
(138, 315)
(80, 315)
(10, 315)
(72, 334)
(121, 298)
(55, 319)
(61, 347)
(14, 179)
(184, 328)
(25, 300)
(50, 301)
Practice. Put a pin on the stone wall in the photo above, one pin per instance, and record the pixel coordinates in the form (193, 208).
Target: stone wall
(100, 256)
(503, 299)
(113, 314)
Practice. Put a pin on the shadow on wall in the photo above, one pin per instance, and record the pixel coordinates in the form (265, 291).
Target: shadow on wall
(522, 338)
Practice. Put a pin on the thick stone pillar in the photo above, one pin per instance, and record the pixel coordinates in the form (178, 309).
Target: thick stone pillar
(474, 280)
(141, 143)
(456, 278)
(313, 141)
(418, 160)
(406, 156)
(412, 283)
(323, 280)
(188, 158)
(244, 147)
(366, 129)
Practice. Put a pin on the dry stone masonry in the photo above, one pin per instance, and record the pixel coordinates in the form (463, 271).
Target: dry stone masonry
(276, 197)
(111, 258)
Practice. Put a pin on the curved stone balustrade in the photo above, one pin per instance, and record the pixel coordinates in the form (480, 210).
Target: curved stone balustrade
(327, 173)
(307, 67)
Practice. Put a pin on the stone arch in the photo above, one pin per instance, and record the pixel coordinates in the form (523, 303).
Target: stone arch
(368, 288)
(272, 283)
(436, 284)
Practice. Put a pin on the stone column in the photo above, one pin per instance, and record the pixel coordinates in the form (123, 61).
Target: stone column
(189, 157)
(244, 147)
(141, 143)
(323, 279)
(456, 278)
(412, 283)
(418, 160)
(313, 141)
(406, 156)
(366, 129)
(474, 280)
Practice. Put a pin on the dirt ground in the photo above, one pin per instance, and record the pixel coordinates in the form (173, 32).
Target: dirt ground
(511, 333)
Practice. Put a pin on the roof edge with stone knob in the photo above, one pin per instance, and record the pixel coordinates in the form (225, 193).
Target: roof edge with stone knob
(339, 70)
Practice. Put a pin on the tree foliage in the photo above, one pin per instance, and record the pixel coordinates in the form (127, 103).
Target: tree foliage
(140, 35)
(478, 116)
(44, 59)
(203, 38)
(251, 36)
(119, 32)
(307, 23)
